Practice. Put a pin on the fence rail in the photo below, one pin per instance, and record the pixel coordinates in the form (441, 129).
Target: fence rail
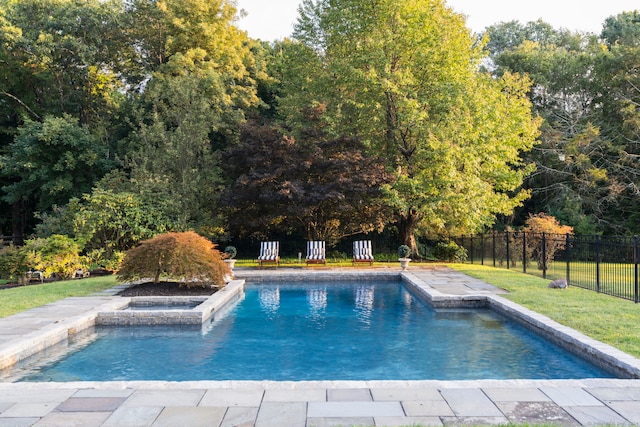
(605, 264)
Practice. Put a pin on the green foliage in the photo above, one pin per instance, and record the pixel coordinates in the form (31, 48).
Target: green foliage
(622, 29)
(57, 256)
(186, 257)
(586, 92)
(450, 252)
(110, 261)
(403, 77)
(52, 161)
(230, 252)
(107, 220)
(404, 251)
(14, 263)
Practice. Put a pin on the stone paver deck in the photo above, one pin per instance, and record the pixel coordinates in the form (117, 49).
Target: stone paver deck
(305, 404)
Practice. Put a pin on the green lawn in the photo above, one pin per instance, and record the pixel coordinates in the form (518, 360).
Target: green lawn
(15, 300)
(608, 319)
(615, 278)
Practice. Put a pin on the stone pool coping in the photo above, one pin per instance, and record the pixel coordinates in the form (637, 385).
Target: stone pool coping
(600, 354)
(603, 355)
(205, 308)
(309, 403)
(53, 332)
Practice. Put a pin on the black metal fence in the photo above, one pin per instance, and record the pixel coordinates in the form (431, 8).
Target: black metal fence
(606, 264)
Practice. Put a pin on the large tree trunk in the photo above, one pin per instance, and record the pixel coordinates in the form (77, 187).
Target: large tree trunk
(407, 223)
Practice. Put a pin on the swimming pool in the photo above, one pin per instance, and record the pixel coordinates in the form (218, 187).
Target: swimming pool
(318, 331)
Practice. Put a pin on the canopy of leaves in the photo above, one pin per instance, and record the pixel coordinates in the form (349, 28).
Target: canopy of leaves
(107, 220)
(403, 77)
(325, 190)
(587, 93)
(52, 161)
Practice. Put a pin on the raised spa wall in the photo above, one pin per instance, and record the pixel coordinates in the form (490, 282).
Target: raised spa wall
(198, 309)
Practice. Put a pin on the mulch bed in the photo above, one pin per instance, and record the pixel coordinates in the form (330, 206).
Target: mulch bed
(165, 289)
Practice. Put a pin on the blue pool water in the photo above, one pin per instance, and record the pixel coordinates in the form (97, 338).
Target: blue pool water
(321, 331)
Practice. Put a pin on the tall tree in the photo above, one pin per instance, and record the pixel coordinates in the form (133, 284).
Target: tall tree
(199, 78)
(59, 59)
(51, 162)
(404, 77)
(585, 91)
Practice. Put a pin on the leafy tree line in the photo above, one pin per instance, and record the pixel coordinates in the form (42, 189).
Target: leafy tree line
(124, 119)
(586, 89)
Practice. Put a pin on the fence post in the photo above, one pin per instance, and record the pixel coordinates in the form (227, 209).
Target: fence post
(524, 251)
(636, 287)
(493, 249)
(567, 251)
(506, 234)
(471, 248)
(544, 256)
(482, 249)
(598, 263)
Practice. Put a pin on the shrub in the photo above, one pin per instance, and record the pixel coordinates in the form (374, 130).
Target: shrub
(14, 264)
(230, 252)
(450, 252)
(186, 257)
(57, 256)
(543, 223)
(99, 258)
(404, 251)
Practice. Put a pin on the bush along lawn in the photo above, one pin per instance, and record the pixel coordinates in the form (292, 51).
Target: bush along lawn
(608, 319)
(15, 300)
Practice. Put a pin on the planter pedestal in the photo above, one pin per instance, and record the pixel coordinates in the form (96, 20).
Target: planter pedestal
(404, 262)
(231, 263)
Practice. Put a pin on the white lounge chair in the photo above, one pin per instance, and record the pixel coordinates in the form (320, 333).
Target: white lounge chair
(269, 252)
(362, 252)
(316, 252)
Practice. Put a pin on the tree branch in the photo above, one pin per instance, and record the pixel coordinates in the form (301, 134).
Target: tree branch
(33, 113)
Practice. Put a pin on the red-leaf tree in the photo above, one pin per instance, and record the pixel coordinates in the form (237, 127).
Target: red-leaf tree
(324, 188)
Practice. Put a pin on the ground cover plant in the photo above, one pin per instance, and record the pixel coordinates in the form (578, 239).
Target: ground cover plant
(16, 300)
(608, 319)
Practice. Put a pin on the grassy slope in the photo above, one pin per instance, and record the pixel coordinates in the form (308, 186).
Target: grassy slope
(607, 319)
(15, 300)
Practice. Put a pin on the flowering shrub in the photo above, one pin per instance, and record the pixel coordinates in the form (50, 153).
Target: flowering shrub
(56, 255)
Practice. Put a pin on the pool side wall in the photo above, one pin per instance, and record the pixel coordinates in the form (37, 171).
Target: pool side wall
(57, 332)
(602, 355)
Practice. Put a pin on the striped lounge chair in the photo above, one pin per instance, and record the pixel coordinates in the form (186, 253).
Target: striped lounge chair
(269, 252)
(316, 252)
(362, 252)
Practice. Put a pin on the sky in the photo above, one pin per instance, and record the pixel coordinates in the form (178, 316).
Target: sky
(273, 19)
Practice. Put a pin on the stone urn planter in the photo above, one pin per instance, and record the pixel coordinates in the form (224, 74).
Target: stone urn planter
(229, 255)
(404, 262)
(403, 252)
(231, 263)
